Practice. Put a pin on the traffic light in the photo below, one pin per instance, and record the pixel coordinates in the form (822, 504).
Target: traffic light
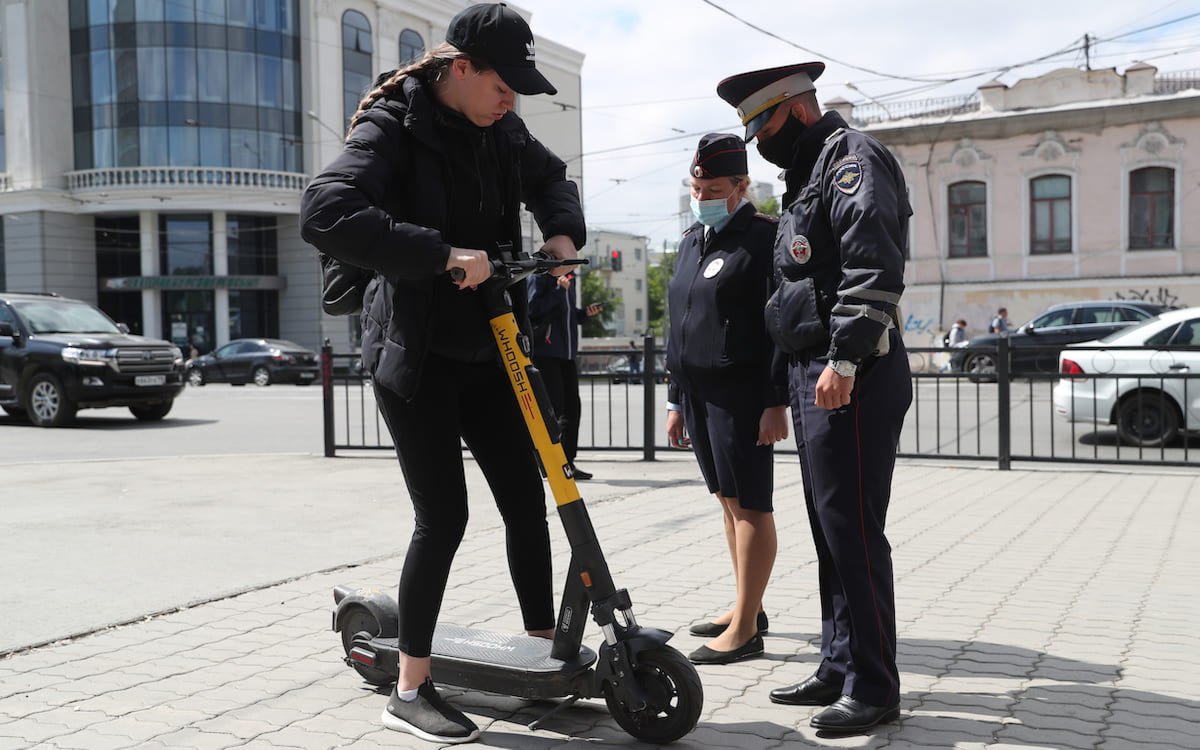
(616, 260)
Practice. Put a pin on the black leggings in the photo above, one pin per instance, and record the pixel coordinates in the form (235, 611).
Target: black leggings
(473, 403)
(562, 387)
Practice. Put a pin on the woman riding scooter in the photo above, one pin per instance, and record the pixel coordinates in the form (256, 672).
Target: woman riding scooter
(431, 179)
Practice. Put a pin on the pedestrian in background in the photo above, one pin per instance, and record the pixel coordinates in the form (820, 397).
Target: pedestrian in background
(1000, 323)
(840, 254)
(555, 317)
(957, 335)
(432, 177)
(727, 388)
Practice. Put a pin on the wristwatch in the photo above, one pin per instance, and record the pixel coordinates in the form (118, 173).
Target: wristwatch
(843, 367)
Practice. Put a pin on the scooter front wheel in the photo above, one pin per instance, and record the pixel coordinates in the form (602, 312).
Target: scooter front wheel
(674, 697)
(359, 621)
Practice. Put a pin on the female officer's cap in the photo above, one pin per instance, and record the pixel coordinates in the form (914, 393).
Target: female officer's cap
(756, 94)
(499, 37)
(719, 155)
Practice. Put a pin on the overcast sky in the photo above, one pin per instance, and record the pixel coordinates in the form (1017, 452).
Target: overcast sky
(651, 68)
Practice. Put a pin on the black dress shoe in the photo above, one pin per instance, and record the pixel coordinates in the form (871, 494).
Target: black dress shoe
(749, 649)
(850, 715)
(811, 692)
(712, 629)
(580, 474)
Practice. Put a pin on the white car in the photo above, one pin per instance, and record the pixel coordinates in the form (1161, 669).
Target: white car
(1161, 394)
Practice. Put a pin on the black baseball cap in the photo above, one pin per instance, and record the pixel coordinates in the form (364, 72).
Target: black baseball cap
(499, 37)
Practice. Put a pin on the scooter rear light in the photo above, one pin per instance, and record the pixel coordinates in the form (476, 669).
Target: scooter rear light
(362, 656)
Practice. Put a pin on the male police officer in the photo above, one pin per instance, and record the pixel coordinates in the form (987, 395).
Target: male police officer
(839, 254)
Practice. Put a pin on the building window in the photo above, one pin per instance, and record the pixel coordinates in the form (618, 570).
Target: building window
(3, 149)
(356, 61)
(173, 83)
(412, 47)
(968, 219)
(1152, 208)
(185, 245)
(252, 246)
(1050, 214)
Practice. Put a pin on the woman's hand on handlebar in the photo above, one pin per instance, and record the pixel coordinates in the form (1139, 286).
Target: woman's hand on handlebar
(562, 247)
(475, 265)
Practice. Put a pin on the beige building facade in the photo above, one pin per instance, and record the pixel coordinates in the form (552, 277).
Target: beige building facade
(1079, 184)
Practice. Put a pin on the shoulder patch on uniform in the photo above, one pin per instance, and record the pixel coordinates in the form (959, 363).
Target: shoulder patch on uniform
(848, 174)
(767, 217)
(835, 135)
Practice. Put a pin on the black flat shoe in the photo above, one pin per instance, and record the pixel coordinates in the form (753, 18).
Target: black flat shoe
(811, 692)
(849, 715)
(580, 474)
(712, 629)
(749, 649)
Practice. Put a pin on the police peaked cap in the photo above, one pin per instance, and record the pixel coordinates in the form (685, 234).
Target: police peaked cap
(756, 94)
(719, 155)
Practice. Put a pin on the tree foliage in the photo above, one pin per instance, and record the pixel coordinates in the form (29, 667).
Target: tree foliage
(592, 289)
(658, 279)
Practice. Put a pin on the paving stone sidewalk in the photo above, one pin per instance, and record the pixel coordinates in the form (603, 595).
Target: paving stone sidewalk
(1038, 608)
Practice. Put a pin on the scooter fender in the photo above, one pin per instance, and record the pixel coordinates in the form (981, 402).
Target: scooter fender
(382, 606)
(616, 662)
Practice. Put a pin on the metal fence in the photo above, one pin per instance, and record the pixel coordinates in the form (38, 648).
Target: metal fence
(996, 417)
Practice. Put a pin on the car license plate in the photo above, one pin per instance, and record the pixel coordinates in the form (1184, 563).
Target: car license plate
(308, 374)
(150, 380)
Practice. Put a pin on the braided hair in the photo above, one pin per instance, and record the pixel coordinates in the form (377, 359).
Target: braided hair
(428, 70)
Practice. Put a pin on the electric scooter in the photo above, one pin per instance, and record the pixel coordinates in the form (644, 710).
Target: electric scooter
(652, 690)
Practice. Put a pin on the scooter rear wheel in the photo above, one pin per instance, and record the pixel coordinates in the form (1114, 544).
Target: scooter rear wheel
(675, 697)
(359, 621)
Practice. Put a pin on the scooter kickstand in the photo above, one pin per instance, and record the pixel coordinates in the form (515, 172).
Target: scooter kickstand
(566, 703)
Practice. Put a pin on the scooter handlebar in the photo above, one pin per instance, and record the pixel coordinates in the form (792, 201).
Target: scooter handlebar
(515, 270)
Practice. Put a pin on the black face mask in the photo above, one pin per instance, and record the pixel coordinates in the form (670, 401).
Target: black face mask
(780, 148)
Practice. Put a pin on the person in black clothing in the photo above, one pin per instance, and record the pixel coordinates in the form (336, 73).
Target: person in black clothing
(840, 257)
(724, 389)
(430, 179)
(555, 318)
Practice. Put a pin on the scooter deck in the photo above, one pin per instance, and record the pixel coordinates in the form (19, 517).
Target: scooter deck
(516, 651)
(505, 663)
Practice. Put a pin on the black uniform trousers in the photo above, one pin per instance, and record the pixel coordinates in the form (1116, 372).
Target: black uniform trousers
(457, 402)
(847, 456)
(561, 378)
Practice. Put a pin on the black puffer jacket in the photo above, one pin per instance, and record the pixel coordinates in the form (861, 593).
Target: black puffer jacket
(381, 206)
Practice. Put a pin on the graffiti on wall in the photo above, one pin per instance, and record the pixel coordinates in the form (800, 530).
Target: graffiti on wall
(1161, 297)
(913, 324)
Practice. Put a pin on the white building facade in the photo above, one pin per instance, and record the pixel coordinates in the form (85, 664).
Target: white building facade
(622, 260)
(156, 170)
(1079, 184)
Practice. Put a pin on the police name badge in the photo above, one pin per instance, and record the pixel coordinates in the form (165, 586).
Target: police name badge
(800, 249)
(714, 268)
(848, 176)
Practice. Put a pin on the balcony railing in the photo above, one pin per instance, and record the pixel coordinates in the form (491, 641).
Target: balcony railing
(184, 177)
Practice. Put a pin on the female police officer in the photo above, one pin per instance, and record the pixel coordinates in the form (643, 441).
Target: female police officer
(723, 387)
(430, 179)
(840, 254)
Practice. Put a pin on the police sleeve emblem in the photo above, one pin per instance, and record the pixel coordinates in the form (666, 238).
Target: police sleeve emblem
(848, 176)
(800, 249)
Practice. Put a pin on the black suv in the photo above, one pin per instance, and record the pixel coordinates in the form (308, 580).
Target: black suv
(59, 355)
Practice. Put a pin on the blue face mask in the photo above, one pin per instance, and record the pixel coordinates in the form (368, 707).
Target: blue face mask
(711, 212)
